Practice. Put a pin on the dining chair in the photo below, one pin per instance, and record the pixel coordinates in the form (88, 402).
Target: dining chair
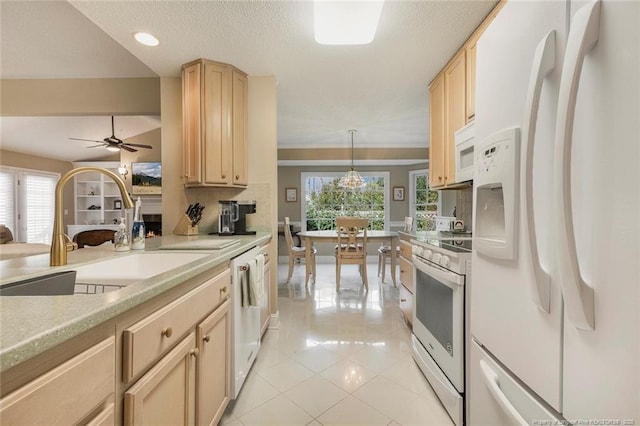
(384, 252)
(297, 252)
(352, 246)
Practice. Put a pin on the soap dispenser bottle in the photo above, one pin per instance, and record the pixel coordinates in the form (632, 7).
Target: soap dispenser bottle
(138, 232)
(121, 237)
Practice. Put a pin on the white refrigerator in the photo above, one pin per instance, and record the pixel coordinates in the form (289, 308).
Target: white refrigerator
(555, 302)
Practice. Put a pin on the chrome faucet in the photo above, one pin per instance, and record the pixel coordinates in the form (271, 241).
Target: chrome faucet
(60, 243)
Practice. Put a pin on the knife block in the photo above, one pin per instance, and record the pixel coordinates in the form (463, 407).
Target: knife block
(184, 227)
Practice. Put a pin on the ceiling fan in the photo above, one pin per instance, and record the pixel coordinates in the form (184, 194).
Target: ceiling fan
(114, 144)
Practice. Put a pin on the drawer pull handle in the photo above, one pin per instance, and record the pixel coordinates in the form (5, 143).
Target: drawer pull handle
(224, 176)
(223, 290)
(237, 177)
(403, 300)
(167, 332)
(194, 352)
(206, 338)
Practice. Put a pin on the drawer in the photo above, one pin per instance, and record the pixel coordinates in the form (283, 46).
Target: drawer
(405, 249)
(406, 273)
(66, 394)
(406, 304)
(148, 339)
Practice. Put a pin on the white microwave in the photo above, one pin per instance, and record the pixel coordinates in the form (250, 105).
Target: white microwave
(465, 141)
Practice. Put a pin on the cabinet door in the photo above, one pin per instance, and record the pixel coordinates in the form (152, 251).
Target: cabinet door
(240, 128)
(470, 52)
(165, 395)
(217, 149)
(66, 394)
(406, 304)
(191, 120)
(214, 366)
(406, 273)
(436, 132)
(455, 98)
(265, 315)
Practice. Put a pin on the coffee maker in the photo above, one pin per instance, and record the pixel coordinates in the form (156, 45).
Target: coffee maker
(244, 208)
(227, 217)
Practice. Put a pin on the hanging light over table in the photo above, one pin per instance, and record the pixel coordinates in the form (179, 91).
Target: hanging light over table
(352, 179)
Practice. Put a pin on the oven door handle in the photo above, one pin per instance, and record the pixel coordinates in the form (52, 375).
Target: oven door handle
(449, 279)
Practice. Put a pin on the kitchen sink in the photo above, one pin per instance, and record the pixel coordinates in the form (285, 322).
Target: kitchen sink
(56, 284)
(100, 277)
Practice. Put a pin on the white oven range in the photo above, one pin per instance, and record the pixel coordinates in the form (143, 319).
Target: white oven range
(442, 274)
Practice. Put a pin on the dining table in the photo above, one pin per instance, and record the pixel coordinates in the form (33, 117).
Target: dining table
(331, 236)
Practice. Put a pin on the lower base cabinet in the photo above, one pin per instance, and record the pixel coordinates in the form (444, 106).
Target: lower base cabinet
(77, 391)
(213, 366)
(164, 395)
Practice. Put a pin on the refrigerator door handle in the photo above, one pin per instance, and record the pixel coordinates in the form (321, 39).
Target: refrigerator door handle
(492, 382)
(578, 296)
(543, 63)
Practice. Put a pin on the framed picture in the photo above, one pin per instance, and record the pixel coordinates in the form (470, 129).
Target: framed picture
(146, 178)
(291, 195)
(398, 193)
(117, 204)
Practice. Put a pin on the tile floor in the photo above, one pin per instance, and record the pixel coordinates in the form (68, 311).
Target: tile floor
(337, 359)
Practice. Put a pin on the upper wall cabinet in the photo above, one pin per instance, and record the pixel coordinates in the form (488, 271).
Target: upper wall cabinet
(214, 122)
(447, 107)
(452, 97)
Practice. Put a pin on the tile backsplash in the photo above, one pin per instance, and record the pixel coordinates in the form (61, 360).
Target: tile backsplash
(464, 206)
(209, 197)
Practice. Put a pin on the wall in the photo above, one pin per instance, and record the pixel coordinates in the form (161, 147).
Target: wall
(25, 161)
(93, 96)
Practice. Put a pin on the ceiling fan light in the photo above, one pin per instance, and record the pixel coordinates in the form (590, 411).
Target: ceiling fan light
(346, 22)
(146, 39)
(113, 148)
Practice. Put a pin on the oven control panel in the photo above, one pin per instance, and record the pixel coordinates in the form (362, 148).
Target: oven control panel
(450, 260)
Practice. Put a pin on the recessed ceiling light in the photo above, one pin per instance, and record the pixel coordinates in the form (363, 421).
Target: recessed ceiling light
(346, 22)
(146, 39)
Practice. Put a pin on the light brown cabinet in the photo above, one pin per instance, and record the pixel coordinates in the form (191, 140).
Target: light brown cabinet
(265, 314)
(195, 373)
(213, 369)
(215, 123)
(447, 104)
(452, 97)
(68, 394)
(406, 282)
(470, 55)
(164, 395)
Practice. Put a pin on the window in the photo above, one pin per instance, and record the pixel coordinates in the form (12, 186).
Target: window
(323, 200)
(27, 203)
(425, 204)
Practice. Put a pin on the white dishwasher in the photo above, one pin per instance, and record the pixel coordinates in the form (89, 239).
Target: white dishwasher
(245, 324)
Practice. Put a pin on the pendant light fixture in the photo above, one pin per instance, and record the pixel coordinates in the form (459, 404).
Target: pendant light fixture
(352, 180)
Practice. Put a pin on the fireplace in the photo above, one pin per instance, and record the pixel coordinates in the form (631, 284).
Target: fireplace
(153, 224)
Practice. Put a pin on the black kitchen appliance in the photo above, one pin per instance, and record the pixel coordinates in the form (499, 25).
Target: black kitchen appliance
(244, 208)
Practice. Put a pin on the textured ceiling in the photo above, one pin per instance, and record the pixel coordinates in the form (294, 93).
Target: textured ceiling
(379, 89)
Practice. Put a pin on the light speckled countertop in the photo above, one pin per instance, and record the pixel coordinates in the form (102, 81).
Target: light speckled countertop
(30, 325)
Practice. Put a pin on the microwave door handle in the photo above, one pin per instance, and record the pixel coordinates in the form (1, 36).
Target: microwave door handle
(493, 384)
(543, 64)
(449, 279)
(578, 296)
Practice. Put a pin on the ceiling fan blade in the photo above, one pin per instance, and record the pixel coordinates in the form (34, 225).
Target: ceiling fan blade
(97, 146)
(85, 140)
(126, 148)
(138, 145)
